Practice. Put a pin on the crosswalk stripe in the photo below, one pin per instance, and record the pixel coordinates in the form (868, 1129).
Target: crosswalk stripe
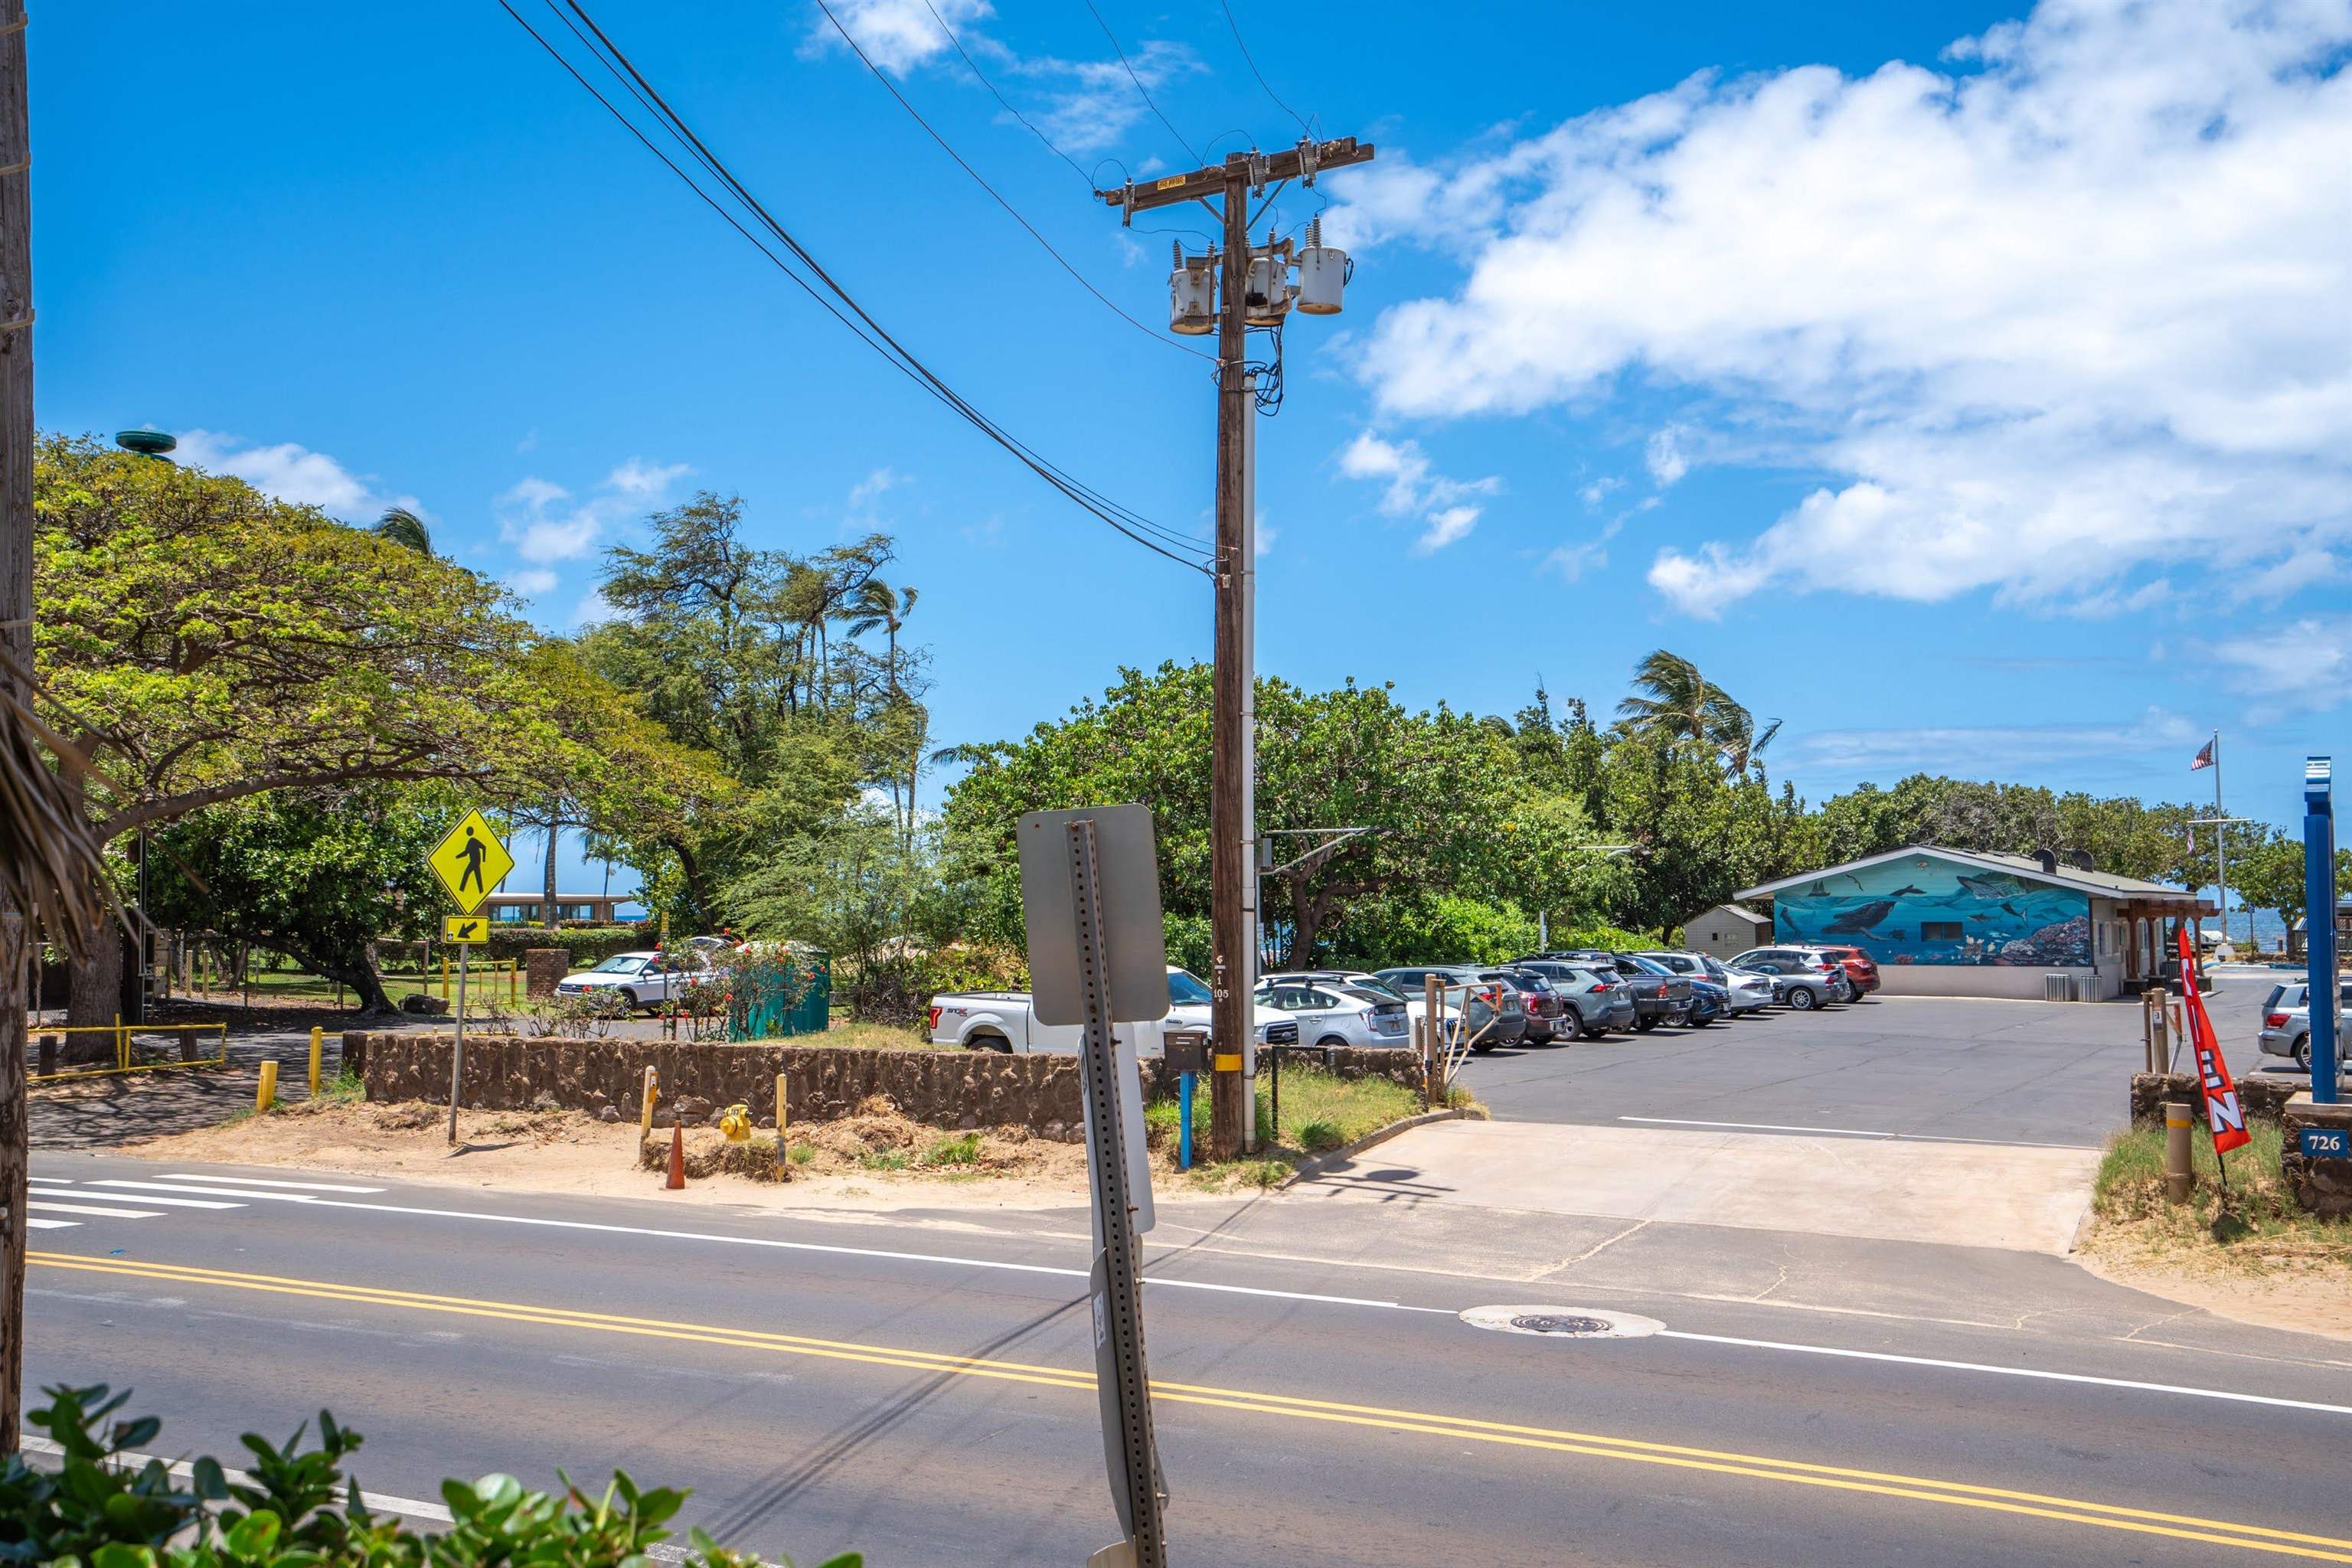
(96, 1196)
(94, 1209)
(247, 1192)
(266, 1181)
(34, 1222)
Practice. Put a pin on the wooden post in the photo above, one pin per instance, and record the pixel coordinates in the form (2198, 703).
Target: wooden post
(17, 630)
(187, 1045)
(1233, 1008)
(15, 1139)
(1432, 998)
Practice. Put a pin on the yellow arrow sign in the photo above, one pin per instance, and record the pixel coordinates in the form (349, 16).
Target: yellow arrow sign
(465, 930)
(470, 861)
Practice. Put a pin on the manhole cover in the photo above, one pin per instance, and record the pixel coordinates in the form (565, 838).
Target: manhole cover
(1562, 1322)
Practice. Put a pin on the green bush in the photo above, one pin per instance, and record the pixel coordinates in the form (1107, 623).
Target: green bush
(1316, 1137)
(586, 944)
(963, 1150)
(1613, 939)
(296, 1509)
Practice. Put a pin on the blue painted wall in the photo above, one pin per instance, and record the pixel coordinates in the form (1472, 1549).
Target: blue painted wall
(1922, 909)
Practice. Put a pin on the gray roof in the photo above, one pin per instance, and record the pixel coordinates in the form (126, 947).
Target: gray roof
(2102, 883)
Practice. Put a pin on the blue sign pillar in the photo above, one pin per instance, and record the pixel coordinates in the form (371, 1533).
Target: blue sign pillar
(2320, 920)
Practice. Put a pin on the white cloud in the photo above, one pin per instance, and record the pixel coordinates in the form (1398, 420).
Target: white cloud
(292, 473)
(2304, 666)
(1264, 536)
(896, 35)
(592, 608)
(1664, 457)
(875, 484)
(532, 581)
(1446, 527)
(1573, 560)
(546, 524)
(1598, 491)
(1972, 749)
(638, 478)
(1411, 485)
(1095, 102)
(2049, 319)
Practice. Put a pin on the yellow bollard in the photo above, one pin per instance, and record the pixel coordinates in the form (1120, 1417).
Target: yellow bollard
(266, 1095)
(121, 1044)
(783, 1120)
(317, 1043)
(645, 1113)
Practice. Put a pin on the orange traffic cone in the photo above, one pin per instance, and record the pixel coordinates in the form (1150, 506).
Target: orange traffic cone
(676, 1157)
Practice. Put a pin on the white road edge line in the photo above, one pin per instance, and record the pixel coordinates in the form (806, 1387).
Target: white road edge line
(1862, 1132)
(33, 1442)
(33, 1224)
(89, 1195)
(45, 1206)
(266, 1181)
(2012, 1372)
(605, 1229)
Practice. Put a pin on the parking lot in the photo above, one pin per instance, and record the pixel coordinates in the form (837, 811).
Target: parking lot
(1906, 1067)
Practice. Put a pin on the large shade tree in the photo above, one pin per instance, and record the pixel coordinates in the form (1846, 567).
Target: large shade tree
(204, 644)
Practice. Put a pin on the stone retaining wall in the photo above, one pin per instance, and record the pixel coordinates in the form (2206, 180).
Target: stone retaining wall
(945, 1088)
(2259, 1096)
(2322, 1186)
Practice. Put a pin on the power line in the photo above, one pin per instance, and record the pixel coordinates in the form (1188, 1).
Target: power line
(1247, 60)
(868, 331)
(973, 66)
(1139, 89)
(892, 88)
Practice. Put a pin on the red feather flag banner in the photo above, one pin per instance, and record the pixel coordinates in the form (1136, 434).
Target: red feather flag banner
(2224, 1117)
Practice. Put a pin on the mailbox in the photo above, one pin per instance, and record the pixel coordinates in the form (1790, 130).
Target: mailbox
(1185, 1050)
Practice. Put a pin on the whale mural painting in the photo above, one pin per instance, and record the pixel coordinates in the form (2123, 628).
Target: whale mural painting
(1944, 912)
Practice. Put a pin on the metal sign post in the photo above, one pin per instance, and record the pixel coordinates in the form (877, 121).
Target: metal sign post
(1115, 1282)
(470, 860)
(1090, 898)
(2319, 922)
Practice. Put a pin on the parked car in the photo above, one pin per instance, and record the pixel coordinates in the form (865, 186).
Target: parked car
(643, 980)
(2287, 1024)
(1333, 977)
(1596, 1000)
(1007, 1020)
(1742, 992)
(1660, 995)
(1335, 1015)
(1543, 1005)
(1496, 1014)
(1801, 978)
(1861, 969)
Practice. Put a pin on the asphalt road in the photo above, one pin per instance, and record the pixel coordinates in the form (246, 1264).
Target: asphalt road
(918, 1387)
(2024, 1072)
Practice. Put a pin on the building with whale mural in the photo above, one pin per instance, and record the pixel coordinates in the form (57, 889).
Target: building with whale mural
(1961, 922)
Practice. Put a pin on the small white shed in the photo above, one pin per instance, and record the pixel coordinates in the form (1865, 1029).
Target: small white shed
(1727, 930)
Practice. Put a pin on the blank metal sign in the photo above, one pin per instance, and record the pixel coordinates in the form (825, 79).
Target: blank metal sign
(1126, 872)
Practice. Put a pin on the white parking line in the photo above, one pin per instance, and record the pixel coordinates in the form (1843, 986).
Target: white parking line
(34, 1222)
(266, 1181)
(96, 1196)
(1861, 1133)
(94, 1209)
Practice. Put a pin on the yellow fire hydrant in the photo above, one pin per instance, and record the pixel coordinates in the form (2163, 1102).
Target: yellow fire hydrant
(736, 1123)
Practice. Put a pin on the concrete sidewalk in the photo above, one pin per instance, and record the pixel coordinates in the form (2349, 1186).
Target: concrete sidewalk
(1960, 1195)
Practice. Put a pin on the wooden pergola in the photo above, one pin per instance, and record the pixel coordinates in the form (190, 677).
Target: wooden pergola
(2152, 923)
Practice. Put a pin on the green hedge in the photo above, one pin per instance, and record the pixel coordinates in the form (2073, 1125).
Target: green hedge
(586, 944)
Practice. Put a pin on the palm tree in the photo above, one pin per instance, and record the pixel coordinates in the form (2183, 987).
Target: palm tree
(1675, 703)
(403, 527)
(875, 604)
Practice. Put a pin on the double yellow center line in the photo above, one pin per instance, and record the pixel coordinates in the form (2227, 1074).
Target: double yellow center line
(1459, 1428)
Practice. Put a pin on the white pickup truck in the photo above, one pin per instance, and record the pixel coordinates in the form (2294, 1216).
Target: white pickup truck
(1004, 1021)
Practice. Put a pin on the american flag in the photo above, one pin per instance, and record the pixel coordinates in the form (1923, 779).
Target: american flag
(2204, 759)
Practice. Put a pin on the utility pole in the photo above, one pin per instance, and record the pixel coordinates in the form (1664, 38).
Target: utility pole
(16, 627)
(1225, 189)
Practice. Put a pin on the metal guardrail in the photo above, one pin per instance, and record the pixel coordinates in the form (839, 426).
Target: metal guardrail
(127, 1040)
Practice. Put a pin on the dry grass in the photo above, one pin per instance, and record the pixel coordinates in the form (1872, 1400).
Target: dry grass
(1320, 1112)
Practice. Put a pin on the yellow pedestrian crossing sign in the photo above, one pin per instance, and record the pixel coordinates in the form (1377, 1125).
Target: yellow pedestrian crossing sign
(465, 930)
(471, 862)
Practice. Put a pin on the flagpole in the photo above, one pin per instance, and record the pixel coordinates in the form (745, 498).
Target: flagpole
(2220, 854)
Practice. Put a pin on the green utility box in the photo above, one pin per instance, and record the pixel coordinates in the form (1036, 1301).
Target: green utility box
(781, 989)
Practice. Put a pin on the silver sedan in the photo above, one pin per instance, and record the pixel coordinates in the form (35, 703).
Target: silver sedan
(1331, 1014)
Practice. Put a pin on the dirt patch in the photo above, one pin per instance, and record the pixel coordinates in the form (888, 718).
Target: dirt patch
(2245, 1251)
(875, 1158)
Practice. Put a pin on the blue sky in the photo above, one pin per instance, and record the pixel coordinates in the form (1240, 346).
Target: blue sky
(1968, 386)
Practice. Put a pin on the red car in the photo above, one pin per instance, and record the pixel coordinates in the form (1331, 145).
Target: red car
(1861, 969)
